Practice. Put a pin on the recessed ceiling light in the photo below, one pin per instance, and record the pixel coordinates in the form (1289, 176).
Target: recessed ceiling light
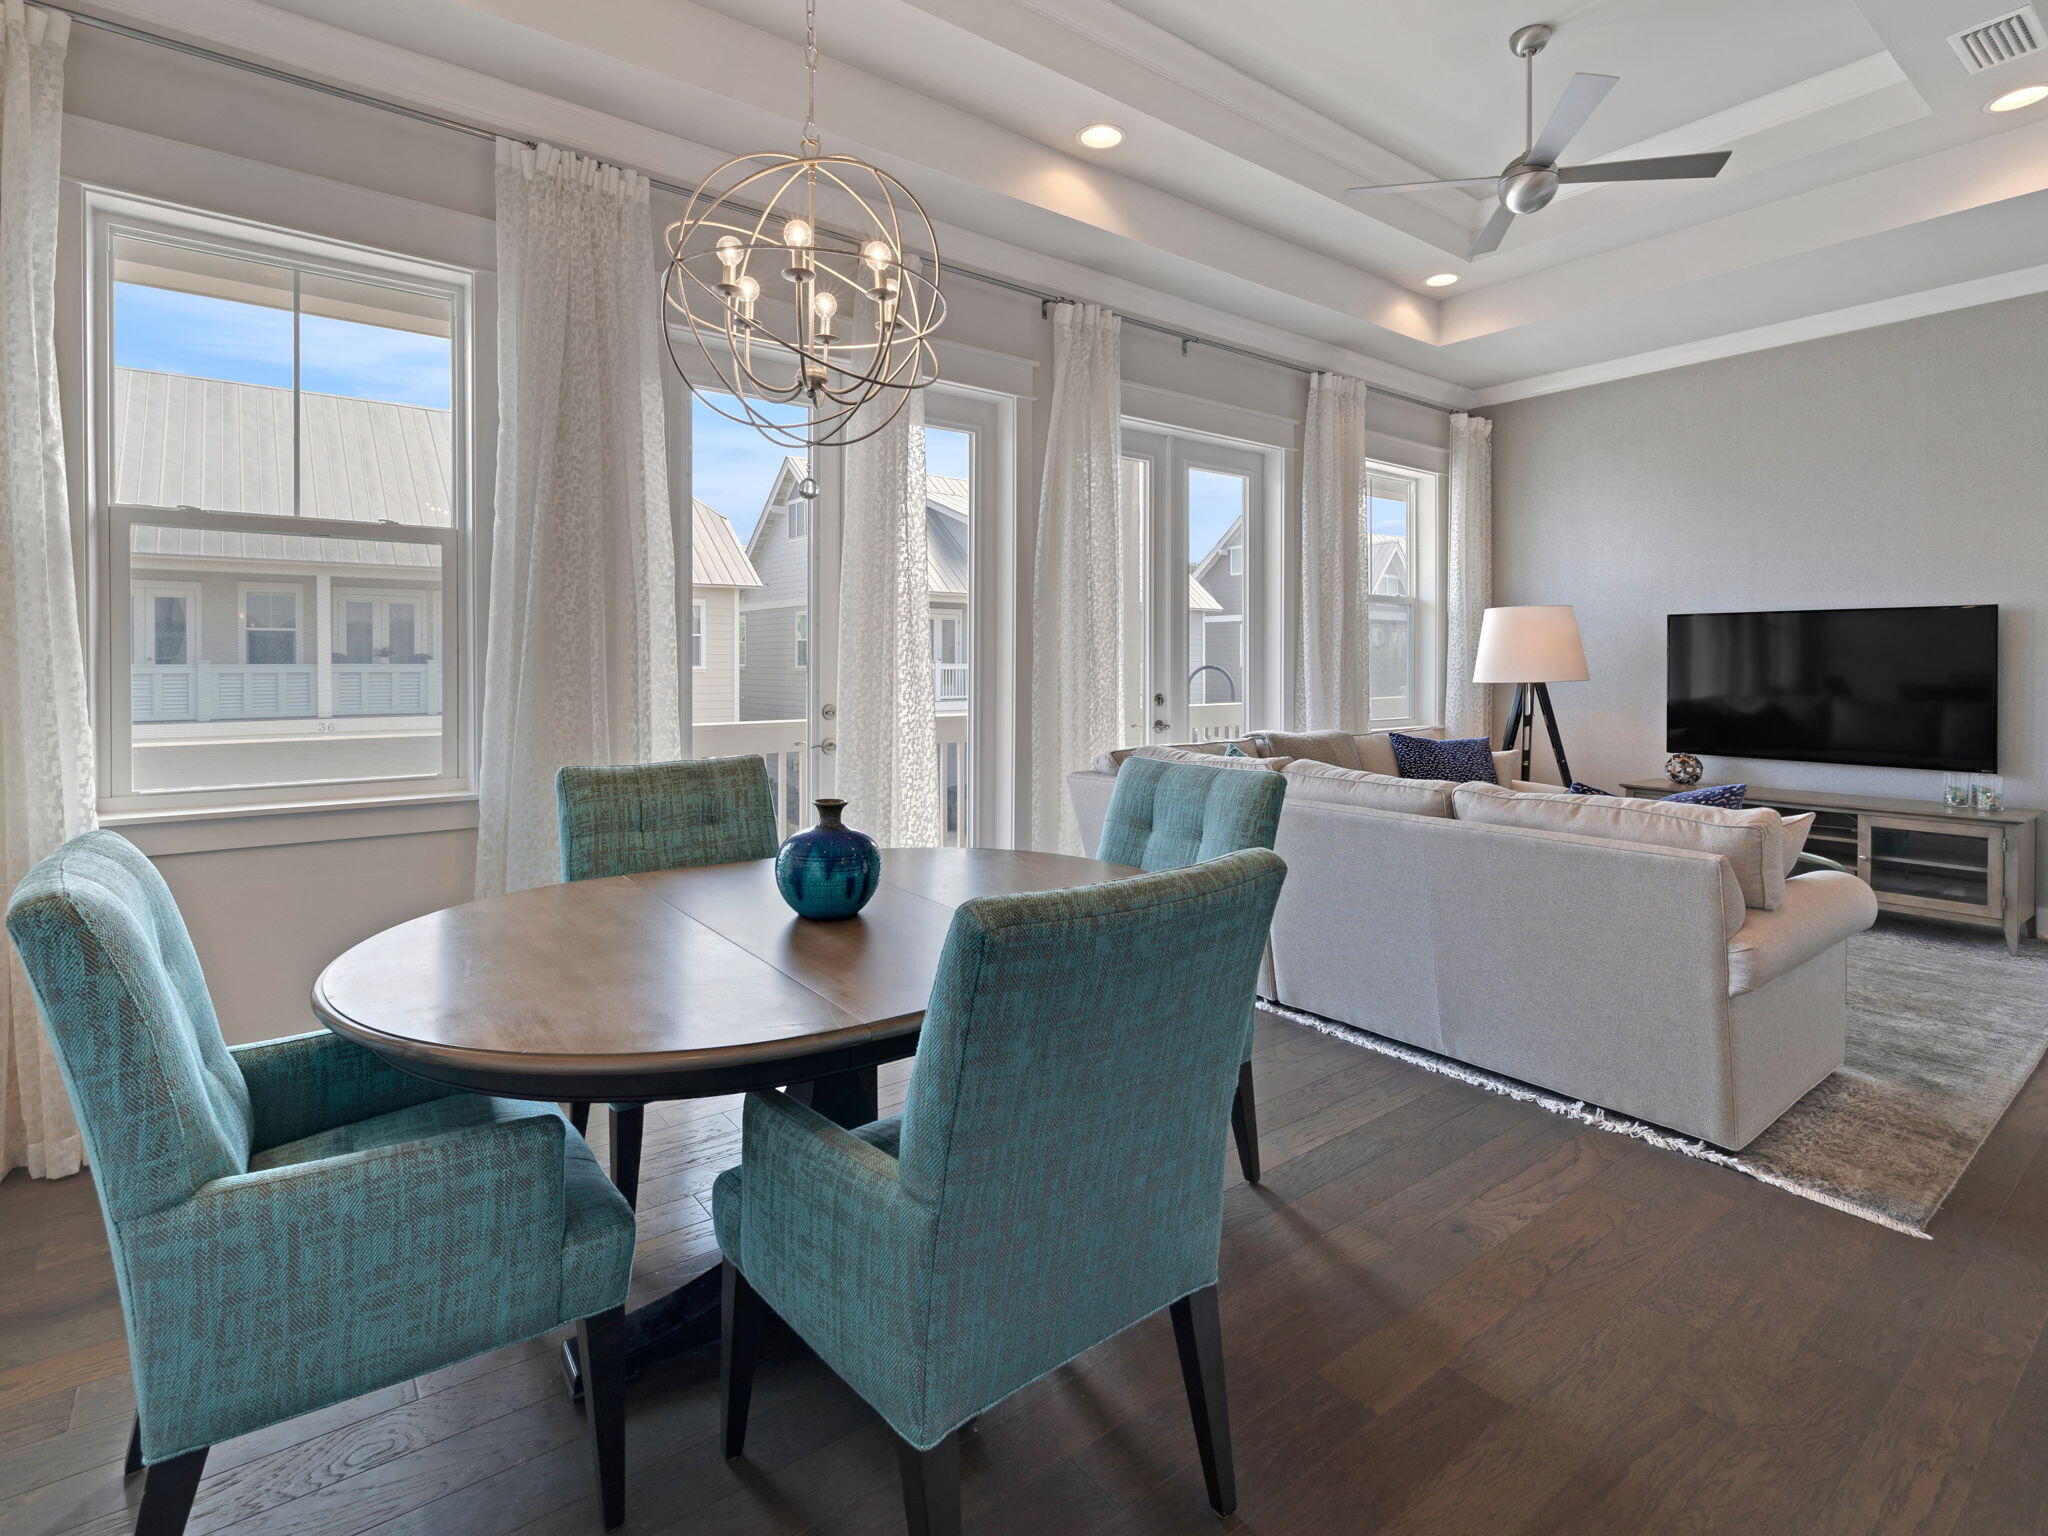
(2012, 101)
(1441, 280)
(1101, 136)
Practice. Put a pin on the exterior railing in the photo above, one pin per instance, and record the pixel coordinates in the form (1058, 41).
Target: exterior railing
(214, 691)
(781, 743)
(949, 681)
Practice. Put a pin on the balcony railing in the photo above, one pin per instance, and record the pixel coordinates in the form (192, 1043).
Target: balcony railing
(782, 744)
(949, 681)
(209, 691)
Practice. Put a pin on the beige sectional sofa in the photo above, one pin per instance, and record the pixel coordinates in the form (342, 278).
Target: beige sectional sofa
(1663, 961)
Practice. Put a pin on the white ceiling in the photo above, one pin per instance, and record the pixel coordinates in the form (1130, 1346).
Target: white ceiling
(1866, 181)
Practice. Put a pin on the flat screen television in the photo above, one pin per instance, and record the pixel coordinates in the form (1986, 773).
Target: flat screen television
(1889, 687)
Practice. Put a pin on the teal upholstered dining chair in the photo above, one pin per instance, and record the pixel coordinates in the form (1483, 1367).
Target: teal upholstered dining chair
(644, 816)
(1056, 1174)
(1162, 815)
(294, 1223)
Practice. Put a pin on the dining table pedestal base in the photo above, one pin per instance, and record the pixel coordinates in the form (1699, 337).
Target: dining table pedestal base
(687, 1318)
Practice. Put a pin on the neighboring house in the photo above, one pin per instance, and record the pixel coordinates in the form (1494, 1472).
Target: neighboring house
(719, 573)
(289, 628)
(1216, 627)
(775, 677)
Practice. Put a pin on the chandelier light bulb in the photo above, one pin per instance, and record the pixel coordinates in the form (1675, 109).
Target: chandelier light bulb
(825, 306)
(796, 234)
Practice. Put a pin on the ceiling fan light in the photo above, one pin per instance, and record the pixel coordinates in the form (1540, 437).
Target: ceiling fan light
(1441, 280)
(2012, 101)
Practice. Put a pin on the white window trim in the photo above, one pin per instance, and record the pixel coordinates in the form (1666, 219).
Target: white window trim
(697, 621)
(739, 642)
(244, 590)
(790, 508)
(109, 213)
(800, 640)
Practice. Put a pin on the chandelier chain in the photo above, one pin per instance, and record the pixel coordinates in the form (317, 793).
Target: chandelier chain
(811, 144)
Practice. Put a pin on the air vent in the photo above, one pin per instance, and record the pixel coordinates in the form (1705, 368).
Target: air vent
(2001, 40)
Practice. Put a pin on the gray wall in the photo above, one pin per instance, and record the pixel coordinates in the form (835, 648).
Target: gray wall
(1904, 464)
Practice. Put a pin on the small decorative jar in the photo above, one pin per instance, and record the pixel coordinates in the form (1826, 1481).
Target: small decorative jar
(1988, 793)
(1955, 791)
(1682, 768)
(831, 870)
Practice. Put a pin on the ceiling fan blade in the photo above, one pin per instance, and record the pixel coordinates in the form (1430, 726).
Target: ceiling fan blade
(1660, 168)
(1489, 238)
(1423, 186)
(1585, 93)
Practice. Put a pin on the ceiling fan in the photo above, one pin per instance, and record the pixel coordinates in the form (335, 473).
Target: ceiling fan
(1532, 178)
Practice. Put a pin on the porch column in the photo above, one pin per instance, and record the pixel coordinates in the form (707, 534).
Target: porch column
(323, 641)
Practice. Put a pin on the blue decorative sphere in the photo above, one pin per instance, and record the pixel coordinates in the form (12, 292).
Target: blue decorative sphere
(829, 871)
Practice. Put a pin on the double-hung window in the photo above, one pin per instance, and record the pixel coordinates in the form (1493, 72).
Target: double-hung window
(280, 500)
(1405, 625)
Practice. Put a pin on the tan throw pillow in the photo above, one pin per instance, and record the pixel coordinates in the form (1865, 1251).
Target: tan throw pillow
(1796, 828)
(1319, 782)
(1752, 841)
(1376, 754)
(1203, 759)
(1337, 748)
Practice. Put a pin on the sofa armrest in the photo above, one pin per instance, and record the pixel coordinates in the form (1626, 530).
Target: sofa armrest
(1818, 912)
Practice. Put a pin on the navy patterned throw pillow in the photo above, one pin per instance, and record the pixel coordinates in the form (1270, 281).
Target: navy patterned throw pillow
(1465, 761)
(1729, 797)
(1576, 788)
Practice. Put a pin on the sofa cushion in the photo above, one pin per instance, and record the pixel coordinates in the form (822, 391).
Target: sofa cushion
(1337, 748)
(1326, 785)
(1108, 762)
(1216, 759)
(1467, 760)
(1752, 841)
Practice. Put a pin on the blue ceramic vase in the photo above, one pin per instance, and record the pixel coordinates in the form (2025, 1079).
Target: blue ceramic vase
(829, 871)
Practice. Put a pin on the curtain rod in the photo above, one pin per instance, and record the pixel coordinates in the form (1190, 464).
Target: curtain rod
(475, 131)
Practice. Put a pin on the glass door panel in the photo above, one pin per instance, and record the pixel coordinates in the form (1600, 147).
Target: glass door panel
(950, 517)
(1945, 869)
(1217, 501)
(751, 536)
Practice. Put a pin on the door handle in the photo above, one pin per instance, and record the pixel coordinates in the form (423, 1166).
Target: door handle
(1161, 725)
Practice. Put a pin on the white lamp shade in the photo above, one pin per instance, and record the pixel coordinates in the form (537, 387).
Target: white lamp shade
(1538, 644)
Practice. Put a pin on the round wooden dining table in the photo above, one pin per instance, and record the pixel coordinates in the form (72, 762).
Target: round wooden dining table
(675, 984)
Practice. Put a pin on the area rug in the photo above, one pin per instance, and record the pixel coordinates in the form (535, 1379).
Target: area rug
(1945, 1028)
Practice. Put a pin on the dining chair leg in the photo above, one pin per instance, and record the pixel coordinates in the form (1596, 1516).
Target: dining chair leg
(579, 1116)
(133, 1464)
(628, 1121)
(1198, 1331)
(601, 1344)
(1244, 1125)
(931, 1486)
(167, 1492)
(739, 1339)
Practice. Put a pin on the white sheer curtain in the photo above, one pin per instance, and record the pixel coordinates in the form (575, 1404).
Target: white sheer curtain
(1332, 677)
(1468, 706)
(581, 665)
(1077, 587)
(46, 753)
(888, 741)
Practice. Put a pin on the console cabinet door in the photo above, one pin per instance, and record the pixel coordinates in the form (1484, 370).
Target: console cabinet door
(1918, 866)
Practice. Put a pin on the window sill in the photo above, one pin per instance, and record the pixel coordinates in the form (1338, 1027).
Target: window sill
(216, 829)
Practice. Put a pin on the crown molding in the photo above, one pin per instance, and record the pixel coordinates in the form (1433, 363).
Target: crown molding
(1856, 317)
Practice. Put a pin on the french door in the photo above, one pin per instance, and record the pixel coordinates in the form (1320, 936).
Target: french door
(1194, 518)
(767, 550)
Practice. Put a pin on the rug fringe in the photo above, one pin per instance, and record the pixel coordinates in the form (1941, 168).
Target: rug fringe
(1580, 1110)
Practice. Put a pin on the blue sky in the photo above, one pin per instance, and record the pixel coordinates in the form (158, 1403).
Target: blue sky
(172, 332)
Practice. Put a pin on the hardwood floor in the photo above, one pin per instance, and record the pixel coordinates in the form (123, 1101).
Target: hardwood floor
(1444, 1312)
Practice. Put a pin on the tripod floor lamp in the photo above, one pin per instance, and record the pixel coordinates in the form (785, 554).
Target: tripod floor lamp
(1532, 648)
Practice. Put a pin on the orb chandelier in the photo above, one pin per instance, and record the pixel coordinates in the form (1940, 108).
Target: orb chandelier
(806, 279)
